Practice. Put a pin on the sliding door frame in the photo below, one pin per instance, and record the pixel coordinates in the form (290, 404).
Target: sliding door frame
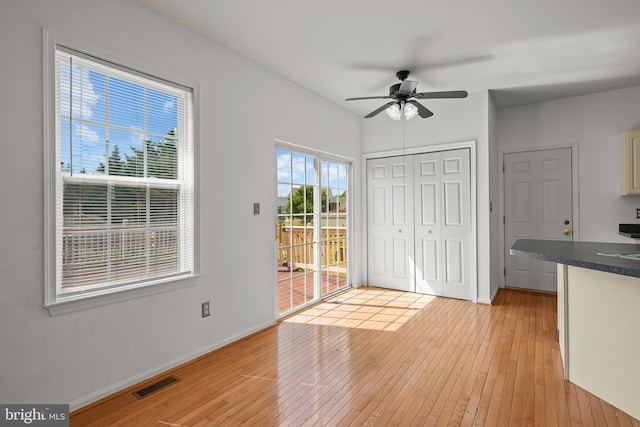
(318, 215)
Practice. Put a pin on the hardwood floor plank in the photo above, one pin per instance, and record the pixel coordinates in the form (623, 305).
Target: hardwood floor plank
(383, 358)
(446, 359)
(491, 360)
(462, 402)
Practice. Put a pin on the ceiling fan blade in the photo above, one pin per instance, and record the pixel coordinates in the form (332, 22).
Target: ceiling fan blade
(408, 86)
(379, 110)
(441, 95)
(423, 111)
(370, 97)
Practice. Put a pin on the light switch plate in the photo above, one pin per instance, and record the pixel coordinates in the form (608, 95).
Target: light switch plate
(256, 208)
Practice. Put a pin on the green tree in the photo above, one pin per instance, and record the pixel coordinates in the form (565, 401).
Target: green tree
(162, 160)
(87, 202)
(116, 165)
(301, 201)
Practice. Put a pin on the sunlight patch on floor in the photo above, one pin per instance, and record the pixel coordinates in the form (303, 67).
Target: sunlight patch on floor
(365, 308)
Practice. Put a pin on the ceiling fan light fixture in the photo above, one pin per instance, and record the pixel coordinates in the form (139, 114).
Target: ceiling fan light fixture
(393, 111)
(410, 111)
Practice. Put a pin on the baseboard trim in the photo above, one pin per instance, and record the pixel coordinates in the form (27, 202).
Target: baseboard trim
(131, 383)
(532, 291)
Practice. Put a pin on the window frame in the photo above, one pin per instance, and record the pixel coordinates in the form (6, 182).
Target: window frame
(57, 302)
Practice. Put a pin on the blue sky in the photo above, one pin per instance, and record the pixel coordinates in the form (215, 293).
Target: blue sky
(89, 112)
(296, 169)
(92, 110)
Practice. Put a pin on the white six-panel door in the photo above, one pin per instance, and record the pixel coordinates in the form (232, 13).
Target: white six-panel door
(442, 216)
(430, 229)
(390, 225)
(538, 205)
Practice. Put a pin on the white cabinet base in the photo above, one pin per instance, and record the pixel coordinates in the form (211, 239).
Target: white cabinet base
(599, 331)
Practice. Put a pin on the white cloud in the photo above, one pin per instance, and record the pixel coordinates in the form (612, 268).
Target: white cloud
(292, 167)
(84, 95)
(169, 105)
(136, 137)
(85, 133)
(284, 167)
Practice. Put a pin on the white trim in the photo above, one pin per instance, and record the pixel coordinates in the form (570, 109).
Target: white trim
(420, 150)
(311, 151)
(575, 192)
(49, 148)
(565, 322)
(121, 385)
(471, 145)
(195, 197)
(120, 294)
(53, 36)
(491, 297)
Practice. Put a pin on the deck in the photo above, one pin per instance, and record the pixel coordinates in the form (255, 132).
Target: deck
(295, 289)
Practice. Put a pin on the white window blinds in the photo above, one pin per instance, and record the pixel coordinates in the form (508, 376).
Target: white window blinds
(124, 177)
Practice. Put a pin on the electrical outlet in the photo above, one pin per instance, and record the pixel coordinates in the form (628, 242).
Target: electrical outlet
(637, 213)
(206, 309)
(256, 208)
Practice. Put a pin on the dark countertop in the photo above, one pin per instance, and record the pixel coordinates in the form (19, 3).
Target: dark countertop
(581, 254)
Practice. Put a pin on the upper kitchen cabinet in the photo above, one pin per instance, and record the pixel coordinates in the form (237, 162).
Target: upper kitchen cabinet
(630, 163)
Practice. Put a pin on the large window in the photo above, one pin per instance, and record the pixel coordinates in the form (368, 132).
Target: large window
(122, 194)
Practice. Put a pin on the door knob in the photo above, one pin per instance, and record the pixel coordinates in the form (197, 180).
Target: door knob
(566, 232)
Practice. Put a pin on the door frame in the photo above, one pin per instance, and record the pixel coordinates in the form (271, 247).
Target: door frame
(575, 194)
(471, 145)
(351, 246)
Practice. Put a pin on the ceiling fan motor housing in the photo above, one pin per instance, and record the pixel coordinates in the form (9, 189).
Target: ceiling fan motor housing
(402, 75)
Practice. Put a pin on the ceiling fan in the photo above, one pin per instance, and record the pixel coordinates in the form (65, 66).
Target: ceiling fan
(404, 99)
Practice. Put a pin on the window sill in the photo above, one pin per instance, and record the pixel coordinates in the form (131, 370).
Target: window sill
(119, 295)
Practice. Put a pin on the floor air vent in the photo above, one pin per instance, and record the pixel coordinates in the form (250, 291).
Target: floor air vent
(152, 388)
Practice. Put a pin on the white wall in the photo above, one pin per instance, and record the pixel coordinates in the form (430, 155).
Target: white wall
(596, 122)
(78, 357)
(494, 197)
(453, 121)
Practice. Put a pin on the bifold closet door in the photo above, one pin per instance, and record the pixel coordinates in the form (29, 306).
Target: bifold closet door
(419, 223)
(390, 223)
(442, 199)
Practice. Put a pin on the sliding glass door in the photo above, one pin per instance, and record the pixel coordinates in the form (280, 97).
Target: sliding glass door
(334, 222)
(313, 224)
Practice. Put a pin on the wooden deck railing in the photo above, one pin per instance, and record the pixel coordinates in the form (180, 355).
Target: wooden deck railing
(89, 251)
(294, 253)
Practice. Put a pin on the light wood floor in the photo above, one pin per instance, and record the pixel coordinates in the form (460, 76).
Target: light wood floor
(375, 357)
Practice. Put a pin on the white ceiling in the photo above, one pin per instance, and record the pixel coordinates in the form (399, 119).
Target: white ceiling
(525, 50)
